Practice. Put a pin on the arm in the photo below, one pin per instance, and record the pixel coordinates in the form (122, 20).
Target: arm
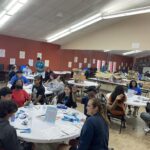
(41, 93)
(86, 136)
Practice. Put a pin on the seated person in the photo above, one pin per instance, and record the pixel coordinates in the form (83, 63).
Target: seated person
(19, 76)
(66, 97)
(136, 90)
(27, 70)
(12, 72)
(5, 93)
(95, 131)
(56, 85)
(38, 91)
(48, 74)
(116, 101)
(146, 117)
(19, 95)
(91, 93)
(8, 136)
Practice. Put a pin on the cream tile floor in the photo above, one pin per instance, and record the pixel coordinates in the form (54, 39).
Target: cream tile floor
(131, 138)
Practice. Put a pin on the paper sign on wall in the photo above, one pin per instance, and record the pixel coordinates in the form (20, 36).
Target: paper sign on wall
(98, 65)
(114, 66)
(110, 66)
(46, 63)
(103, 62)
(89, 65)
(94, 61)
(75, 59)
(22, 54)
(30, 62)
(39, 55)
(80, 65)
(12, 61)
(2, 52)
(69, 64)
(85, 60)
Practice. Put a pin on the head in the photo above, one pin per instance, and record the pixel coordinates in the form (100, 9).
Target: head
(38, 80)
(38, 59)
(5, 93)
(19, 74)
(68, 90)
(18, 84)
(118, 90)
(74, 89)
(91, 92)
(133, 84)
(95, 106)
(7, 109)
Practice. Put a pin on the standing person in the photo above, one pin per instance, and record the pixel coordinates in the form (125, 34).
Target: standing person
(116, 105)
(19, 95)
(12, 72)
(8, 136)
(40, 66)
(19, 76)
(137, 91)
(5, 93)
(38, 91)
(48, 74)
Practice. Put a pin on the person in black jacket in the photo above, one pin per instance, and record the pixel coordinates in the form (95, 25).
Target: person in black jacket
(8, 136)
(66, 97)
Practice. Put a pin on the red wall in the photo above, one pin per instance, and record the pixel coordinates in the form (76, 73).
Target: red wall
(58, 58)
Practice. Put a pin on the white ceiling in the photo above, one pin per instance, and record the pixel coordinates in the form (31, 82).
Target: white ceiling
(40, 18)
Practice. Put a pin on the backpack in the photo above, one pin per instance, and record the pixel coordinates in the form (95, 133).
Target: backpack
(148, 107)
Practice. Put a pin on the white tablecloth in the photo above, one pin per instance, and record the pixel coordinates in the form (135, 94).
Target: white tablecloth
(84, 84)
(62, 72)
(44, 132)
(135, 100)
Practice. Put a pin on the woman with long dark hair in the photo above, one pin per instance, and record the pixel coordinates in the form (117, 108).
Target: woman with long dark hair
(116, 101)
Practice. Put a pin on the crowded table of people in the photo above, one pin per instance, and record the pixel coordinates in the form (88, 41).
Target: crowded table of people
(38, 111)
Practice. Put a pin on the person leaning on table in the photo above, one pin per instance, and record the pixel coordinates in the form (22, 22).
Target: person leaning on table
(95, 131)
(8, 136)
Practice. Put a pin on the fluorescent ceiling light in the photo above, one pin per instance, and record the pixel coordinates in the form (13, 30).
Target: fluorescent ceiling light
(14, 9)
(107, 50)
(23, 1)
(4, 19)
(132, 52)
(11, 4)
(2, 13)
(128, 13)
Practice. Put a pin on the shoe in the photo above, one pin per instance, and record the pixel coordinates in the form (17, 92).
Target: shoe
(147, 129)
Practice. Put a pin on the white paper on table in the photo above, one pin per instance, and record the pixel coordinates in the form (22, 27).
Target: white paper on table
(85, 60)
(94, 61)
(80, 65)
(46, 63)
(30, 62)
(51, 113)
(89, 65)
(22, 54)
(39, 55)
(12, 61)
(69, 64)
(2, 52)
(75, 59)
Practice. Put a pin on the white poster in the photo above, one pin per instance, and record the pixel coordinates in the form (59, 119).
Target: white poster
(69, 64)
(46, 63)
(94, 61)
(39, 55)
(98, 65)
(30, 62)
(12, 61)
(75, 59)
(114, 66)
(22, 54)
(2, 52)
(89, 65)
(80, 65)
(85, 60)
(103, 62)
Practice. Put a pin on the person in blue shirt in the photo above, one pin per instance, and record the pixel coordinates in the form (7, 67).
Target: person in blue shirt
(95, 131)
(134, 86)
(19, 76)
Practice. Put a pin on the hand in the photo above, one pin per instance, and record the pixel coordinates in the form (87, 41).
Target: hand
(119, 97)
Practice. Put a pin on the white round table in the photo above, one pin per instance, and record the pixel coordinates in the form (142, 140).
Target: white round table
(84, 84)
(44, 132)
(134, 100)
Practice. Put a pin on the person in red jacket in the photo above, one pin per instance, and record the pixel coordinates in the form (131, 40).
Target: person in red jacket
(19, 96)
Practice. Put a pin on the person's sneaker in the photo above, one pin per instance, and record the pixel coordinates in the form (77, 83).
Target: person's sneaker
(147, 129)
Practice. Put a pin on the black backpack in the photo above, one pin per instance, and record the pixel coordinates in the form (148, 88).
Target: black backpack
(148, 107)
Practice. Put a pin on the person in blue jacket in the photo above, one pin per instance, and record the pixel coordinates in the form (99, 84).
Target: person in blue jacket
(137, 91)
(19, 76)
(95, 132)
